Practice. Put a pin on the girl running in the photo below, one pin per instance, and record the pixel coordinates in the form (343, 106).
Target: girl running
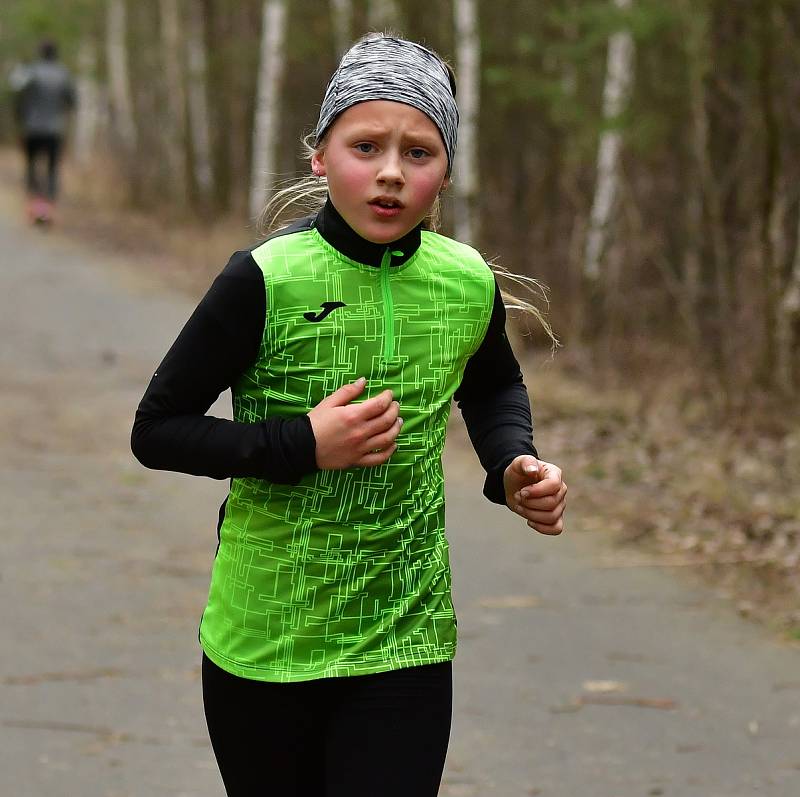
(329, 630)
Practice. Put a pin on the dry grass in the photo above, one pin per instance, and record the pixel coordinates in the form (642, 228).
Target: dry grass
(651, 464)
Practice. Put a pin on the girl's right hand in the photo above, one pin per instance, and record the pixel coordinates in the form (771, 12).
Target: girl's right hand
(355, 435)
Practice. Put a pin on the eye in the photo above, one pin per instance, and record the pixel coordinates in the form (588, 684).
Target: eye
(417, 153)
(364, 147)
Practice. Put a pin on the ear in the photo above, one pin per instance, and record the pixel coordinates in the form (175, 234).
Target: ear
(445, 184)
(318, 163)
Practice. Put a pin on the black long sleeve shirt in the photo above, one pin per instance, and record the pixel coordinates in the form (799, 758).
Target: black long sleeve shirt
(221, 339)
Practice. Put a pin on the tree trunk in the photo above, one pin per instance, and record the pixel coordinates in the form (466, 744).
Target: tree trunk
(342, 23)
(465, 178)
(118, 78)
(711, 217)
(175, 134)
(771, 169)
(786, 330)
(270, 74)
(87, 113)
(198, 102)
(619, 75)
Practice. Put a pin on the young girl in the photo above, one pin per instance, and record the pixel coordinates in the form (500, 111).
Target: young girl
(329, 631)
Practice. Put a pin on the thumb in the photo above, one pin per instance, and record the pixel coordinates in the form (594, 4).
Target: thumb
(527, 467)
(345, 394)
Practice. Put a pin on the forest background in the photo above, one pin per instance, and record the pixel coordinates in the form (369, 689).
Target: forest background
(638, 157)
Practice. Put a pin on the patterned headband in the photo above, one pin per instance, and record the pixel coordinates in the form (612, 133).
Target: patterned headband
(385, 68)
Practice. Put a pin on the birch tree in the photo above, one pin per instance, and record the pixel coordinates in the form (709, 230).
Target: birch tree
(270, 74)
(175, 137)
(787, 322)
(118, 78)
(88, 108)
(465, 181)
(619, 76)
(198, 102)
(342, 23)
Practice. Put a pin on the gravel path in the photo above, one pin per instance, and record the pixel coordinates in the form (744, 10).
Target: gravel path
(576, 677)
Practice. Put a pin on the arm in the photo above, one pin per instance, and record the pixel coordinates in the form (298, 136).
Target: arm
(494, 401)
(220, 340)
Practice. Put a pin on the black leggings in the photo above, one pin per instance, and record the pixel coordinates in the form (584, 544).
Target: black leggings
(384, 734)
(49, 148)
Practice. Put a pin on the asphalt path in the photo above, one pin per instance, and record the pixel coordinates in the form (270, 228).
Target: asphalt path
(576, 676)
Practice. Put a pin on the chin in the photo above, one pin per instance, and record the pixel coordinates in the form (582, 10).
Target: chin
(385, 235)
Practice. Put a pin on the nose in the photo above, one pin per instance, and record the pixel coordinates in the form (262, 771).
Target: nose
(391, 170)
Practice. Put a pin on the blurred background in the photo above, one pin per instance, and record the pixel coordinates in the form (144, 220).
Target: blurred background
(640, 158)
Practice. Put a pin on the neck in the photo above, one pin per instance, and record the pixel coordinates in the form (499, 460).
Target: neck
(339, 234)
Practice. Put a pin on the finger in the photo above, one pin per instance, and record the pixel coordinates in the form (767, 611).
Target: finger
(377, 405)
(372, 459)
(537, 516)
(550, 485)
(345, 394)
(381, 441)
(383, 422)
(544, 504)
(544, 528)
(527, 468)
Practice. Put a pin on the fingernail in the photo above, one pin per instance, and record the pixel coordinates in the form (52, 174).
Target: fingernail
(517, 497)
(531, 469)
(360, 381)
(524, 493)
(401, 421)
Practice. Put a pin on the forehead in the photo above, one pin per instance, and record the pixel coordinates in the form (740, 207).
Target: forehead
(385, 114)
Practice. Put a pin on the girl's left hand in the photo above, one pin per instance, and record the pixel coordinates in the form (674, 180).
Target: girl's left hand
(535, 490)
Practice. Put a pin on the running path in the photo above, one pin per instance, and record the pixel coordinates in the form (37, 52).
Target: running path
(105, 566)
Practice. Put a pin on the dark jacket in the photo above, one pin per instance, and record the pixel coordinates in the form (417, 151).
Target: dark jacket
(45, 95)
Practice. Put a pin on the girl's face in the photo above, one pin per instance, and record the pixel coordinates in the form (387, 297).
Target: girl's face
(380, 153)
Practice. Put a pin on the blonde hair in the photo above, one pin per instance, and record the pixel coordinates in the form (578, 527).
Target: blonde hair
(309, 193)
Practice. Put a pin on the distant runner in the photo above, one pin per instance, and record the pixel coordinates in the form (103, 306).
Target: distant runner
(44, 96)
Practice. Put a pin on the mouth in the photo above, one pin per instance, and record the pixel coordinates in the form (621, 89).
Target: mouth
(387, 202)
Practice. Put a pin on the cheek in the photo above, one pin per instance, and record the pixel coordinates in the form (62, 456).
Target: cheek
(351, 179)
(428, 186)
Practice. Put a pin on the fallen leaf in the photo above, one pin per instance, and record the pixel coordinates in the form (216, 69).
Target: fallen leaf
(510, 602)
(604, 686)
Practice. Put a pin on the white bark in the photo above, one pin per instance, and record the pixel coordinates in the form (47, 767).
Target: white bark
(87, 114)
(788, 315)
(198, 101)
(342, 21)
(270, 74)
(383, 14)
(465, 177)
(175, 138)
(118, 78)
(619, 76)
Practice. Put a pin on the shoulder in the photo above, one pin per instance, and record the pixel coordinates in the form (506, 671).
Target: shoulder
(448, 248)
(296, 235)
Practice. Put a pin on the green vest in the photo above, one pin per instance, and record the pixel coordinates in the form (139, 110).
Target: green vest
(347, 572)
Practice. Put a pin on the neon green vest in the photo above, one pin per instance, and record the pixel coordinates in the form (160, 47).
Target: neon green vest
(348, 572)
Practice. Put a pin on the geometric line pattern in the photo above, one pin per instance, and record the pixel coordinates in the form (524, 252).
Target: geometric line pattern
(347, 572)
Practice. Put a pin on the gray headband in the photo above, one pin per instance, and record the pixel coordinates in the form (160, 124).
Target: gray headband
(385, 68)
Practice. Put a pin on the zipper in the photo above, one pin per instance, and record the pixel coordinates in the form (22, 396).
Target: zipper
(388, 304)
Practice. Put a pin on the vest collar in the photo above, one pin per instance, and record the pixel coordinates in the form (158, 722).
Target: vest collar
(341, 236)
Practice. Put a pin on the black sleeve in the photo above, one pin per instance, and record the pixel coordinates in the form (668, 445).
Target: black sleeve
(220, 340)
(494, 402)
